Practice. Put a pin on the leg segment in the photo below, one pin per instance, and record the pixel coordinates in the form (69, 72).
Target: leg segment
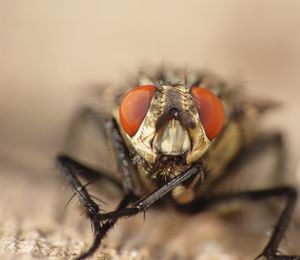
(128, 171)
(69, 169)
(104, 125)
(289, 193)
(86, 172)
(150, 199)
(102, 229)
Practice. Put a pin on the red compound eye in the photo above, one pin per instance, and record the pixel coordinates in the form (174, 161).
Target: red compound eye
(134, 108)
(210, 109)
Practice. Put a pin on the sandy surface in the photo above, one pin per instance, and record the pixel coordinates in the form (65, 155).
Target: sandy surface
(51, 53)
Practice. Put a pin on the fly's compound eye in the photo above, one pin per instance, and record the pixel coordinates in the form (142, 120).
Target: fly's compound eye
(134, 108)
(210, 109)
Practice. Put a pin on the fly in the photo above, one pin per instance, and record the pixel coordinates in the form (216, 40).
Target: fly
(179, 135)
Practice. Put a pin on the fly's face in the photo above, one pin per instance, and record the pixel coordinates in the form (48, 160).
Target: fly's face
(170, 120)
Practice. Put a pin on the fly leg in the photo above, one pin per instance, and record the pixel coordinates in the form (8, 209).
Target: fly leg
(89, 174)
(127, 169)
(148, 200)
(70, 169)
(110, 130)
(288, 193)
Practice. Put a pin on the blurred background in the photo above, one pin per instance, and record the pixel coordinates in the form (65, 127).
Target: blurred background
(51, 52)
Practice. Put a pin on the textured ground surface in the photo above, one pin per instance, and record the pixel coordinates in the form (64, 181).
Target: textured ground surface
(50, 52)
(35, 225)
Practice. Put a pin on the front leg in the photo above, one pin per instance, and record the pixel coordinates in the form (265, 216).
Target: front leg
(145, 202)
(102, 230)
(70, 169)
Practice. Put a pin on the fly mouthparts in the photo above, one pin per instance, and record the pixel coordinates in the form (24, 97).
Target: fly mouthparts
(174, 158)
